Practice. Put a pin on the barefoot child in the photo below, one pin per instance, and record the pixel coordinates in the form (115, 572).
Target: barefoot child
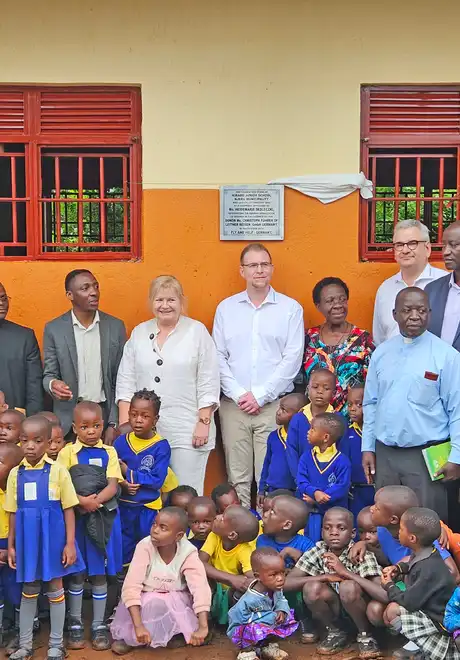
(361, 493)
(262, 611)
(418, 612)
(41, 545)
(144, 459)
(165, 592)
(88, 450)
(323, 477)
(226, 555)
(321, 389)
(201, 514)
(10, 426)
(275, 471)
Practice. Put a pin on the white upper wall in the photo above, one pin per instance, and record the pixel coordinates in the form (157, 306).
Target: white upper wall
(235, 91)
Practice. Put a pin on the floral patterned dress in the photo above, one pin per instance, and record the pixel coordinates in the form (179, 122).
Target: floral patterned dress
(349, 360)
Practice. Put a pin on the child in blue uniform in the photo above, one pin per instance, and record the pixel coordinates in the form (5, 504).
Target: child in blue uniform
(10, 590)
(361, 493)
(41, 545)
(144, 459)
(88, 449)
(201, 513)
(321, 389)
(324, 475)
(275, 471)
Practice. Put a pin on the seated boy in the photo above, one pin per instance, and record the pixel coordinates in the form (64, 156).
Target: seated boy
(361, 493)
(201, 514)
(368, 533)
(10, 426)
(226, 555)
(418, 611)
(225, 495)
(326, 592)
(320, 390)
(323, 477)
(275, 471)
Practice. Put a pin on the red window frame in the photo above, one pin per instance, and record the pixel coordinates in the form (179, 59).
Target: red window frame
(416, 122)
(79, 122)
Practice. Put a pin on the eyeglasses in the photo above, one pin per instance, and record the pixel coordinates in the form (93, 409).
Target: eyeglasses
(411, 245)
(264, 265)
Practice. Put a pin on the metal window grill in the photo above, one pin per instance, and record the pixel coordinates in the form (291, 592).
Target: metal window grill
(70, 166)
(410, 149)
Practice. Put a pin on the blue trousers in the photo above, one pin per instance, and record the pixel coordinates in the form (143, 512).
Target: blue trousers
(136, 522)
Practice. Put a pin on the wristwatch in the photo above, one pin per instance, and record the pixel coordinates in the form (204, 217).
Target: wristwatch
(112, 425)
(205, 420)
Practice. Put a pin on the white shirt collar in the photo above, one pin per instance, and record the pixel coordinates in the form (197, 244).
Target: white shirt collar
(270, 297)
(76, 322)
(425, 274)
(452, 282)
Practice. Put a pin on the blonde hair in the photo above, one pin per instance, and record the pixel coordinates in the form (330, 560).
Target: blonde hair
(167, 282)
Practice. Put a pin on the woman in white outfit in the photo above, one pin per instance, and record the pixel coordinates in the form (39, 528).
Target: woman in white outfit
(175, 356)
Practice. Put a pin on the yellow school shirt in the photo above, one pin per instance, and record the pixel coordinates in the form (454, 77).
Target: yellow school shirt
(4, 517)
(170, 483)
(236, 561)
(60, 485)
(308, 413)
(67, 457)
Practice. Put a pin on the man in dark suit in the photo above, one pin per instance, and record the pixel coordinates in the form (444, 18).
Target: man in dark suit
(82, 351)
(444, 294)
(20, 363)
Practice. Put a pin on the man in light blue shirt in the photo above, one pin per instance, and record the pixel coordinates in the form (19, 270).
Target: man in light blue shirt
(411, 401)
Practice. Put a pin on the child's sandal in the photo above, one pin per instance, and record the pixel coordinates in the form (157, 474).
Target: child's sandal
(76, 635)
(100, 639)
(22, 654)
(56, 653)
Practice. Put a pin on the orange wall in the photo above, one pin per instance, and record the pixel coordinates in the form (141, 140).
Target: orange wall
(181, 236)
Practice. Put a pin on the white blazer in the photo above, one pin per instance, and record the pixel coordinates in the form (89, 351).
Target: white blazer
(184, 373)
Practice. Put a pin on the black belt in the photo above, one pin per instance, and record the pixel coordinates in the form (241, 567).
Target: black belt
(425, 446)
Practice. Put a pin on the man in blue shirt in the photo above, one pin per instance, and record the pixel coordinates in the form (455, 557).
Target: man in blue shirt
(412, 401)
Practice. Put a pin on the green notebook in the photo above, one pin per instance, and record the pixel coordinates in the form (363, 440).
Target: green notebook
(435, 457)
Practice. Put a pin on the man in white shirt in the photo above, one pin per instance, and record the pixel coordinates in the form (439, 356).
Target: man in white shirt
(82, 350)
(259, 336)
(412, 249)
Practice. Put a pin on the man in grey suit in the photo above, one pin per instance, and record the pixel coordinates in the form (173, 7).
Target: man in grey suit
(20, 362)
(444, 294)
(82, 351)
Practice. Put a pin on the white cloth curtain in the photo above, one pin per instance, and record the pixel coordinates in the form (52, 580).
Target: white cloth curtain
(329, 188)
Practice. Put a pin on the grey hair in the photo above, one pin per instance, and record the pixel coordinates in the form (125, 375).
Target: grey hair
(409, 224)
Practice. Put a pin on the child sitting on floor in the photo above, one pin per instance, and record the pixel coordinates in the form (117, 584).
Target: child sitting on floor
(323, 477)
(3, 403)
(10, 426)
(227, 556)
(165, 592)
(368, 533)
(418, 611)
(324, 575)
(201, 514)
(321, 389)
(361, 493)
(262, 611)
(275, 471)
(282, 523)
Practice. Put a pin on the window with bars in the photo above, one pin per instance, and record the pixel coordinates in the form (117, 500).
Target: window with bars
(70, 173)
(410, 148)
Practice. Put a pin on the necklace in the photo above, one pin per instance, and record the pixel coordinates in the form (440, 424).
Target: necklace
(339, 341)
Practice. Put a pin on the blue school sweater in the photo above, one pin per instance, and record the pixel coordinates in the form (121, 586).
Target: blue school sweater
(297, 441)
(350, 445)
(275, 471)
(147, 466)
(395, 551)
(298, 542)
(332, 477)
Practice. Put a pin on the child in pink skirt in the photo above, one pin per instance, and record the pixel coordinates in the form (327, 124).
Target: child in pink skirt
(166, 592)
